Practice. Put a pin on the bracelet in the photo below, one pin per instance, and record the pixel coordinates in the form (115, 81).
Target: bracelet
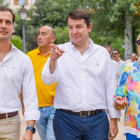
(116, 106)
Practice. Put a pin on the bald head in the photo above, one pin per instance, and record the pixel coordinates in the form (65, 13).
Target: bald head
(46, 36)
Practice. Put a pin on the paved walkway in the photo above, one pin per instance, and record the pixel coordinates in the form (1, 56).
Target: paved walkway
(120, 135)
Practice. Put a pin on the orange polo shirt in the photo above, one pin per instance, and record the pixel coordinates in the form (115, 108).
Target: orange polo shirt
(45, 93)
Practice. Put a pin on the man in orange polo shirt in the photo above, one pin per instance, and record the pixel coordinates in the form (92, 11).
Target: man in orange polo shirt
(39, 56)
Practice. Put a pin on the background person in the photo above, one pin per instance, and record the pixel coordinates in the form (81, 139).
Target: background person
(114, 64)
(39, 56)
(115, 56)
(132, 59)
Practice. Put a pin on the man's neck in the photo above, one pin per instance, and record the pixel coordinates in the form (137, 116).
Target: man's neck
(5, 48)
(45, 50)
(83, 47)
(117, 59)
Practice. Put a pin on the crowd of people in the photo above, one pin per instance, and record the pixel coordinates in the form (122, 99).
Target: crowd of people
(66, 90)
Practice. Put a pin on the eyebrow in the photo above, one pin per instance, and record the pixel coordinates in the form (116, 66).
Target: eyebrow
(75, 25)
(42, 32)
(6, 20)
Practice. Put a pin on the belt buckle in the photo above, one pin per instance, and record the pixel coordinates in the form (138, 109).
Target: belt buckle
(81, 114)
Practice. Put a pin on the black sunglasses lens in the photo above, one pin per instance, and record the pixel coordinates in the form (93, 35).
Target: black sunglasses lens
(114, 53)
(138, 42)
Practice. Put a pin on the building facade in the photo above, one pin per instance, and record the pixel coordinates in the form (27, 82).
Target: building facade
(14, 4)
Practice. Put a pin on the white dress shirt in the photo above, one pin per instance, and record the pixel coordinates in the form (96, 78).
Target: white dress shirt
(16, 72)
(83, 82)
(115, 69)
(121, 63)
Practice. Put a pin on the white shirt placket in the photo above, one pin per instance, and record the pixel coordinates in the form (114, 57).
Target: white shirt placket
(83, 80)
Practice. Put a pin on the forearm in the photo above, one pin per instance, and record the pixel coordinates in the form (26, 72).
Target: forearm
(52, 65)
(30, 123)
(113, 120)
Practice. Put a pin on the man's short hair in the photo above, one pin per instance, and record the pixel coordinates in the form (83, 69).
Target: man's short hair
(107, 46)
(6, 9)
(117, 51)
(53, 31)
(78, 14)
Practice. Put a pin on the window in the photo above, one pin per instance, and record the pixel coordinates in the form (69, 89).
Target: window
(21, 2)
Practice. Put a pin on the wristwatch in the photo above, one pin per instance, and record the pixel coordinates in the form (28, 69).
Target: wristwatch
(31, 128)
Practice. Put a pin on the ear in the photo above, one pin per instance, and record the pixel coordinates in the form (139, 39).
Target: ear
(90, 27)
(53, 39)
(13, 29)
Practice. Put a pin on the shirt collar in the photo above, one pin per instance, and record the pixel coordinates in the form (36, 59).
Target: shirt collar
(39, 52)
(12, 47)
(90, 45)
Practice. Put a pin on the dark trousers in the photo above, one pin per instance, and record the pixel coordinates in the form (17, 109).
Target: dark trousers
(73, 127)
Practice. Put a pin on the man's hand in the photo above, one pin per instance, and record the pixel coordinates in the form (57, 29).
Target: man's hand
(28, 135)
(120, 103)
(113, 128)
(55, 53)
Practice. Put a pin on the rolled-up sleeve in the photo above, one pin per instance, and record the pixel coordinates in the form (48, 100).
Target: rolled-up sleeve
(29, 93)
(47, 77)
(110, 88)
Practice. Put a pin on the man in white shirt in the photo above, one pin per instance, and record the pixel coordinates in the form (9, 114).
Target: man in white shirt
(85, 84)
(16, 72)
(116, 55)
(115, 66)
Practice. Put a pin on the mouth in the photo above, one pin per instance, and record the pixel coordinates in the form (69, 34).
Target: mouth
(3, 32)
(39, 42)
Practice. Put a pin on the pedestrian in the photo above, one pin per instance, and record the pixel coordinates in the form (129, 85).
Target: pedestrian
(132, 59)
(85, 84)
(116, 55)
(16, 72)
(114, 64)
(39, 56)
(127, 96)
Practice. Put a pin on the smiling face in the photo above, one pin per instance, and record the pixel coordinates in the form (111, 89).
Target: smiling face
(78, 31)
(6, 25)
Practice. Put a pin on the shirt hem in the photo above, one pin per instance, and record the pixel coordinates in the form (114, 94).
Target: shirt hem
(132, 131)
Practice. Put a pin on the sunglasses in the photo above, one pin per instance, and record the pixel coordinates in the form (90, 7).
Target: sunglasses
(114, 53)
(138, 42)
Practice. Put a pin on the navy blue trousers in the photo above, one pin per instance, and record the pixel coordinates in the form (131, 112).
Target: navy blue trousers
(69, 126)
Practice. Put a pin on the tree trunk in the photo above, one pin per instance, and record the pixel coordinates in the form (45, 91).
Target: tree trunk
(128, 39)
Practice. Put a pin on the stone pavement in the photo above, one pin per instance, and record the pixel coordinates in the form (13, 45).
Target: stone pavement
(120, 135)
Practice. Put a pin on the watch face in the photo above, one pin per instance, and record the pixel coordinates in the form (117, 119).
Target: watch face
(33, 130)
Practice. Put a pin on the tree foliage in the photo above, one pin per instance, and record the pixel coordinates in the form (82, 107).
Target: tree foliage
(17, 41)
(108, 18)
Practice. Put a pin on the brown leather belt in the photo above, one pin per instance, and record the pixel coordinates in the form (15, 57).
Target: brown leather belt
(83, 113)
(12, 114)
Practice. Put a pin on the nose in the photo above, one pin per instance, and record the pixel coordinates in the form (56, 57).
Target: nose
(3, 25)
(74, 30)
(39, 37)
